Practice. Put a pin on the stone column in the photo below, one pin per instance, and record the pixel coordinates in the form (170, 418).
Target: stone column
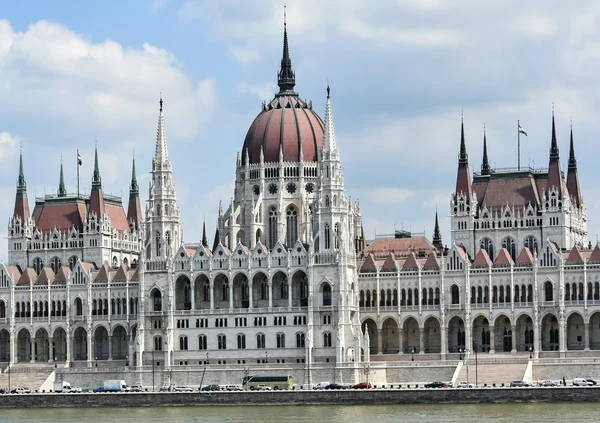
(537, 336)
(69, 347)
(270, 289)
(90, 350)
(421, 341)
(51, 351)
(231, 293)
(513, 329)
(32, 350)
(444, 341)
(110, 343)
(492, 340)
(400, 341)
(290, 293)
(379, 341)
(586, 336)
(193, 296)
(250, 295)
(211, 292)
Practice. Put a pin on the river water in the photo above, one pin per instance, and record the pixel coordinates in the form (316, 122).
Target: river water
(421, 413)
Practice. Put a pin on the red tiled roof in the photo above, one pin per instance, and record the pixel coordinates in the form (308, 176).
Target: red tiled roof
(27, 278)
(401, 247)
(595, 257)
(500, 190)
(59, 215)
(118, 219)
(21, 206)
(14, 272)
(134, 210)
(390, 264)
(45, 277)
(369, 265)
(134, 274)
(88, 266)
(121, 274)
(190, 251)
(482, 259)
(432, 262)
(525, 258)
(574, 256)
(411, 262)
(61, 275)
(503, 258)
(463, 252)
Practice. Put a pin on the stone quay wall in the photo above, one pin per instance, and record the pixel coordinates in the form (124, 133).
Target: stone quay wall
(342, 397)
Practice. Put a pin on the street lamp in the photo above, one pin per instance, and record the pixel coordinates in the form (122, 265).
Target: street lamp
(207, 358)
(530, 353)
(55, 362)
(460, 353)
(126, 361)
(266, 357)
(245, 380)
(367, 371)
(96, 358)
(414, 350)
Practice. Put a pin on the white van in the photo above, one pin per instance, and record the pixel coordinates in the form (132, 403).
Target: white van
(321, 385)
(580, 382)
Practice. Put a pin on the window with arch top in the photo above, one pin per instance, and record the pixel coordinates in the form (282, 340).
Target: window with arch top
(326, 295)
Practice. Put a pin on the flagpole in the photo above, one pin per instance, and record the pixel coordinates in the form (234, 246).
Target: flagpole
(77, 163)
(518, 146)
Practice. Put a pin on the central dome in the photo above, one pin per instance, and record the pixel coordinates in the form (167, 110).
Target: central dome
(287, 123)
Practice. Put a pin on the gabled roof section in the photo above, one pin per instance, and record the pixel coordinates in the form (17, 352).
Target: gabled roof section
(390, 264)
(221, 248)
(525, 258)
(411, 264)
(432, 262)
(203, 251)
(595, 257)
(241, 248)
(482, 259)
(134, 274)
(46, 277)
(574, 256)
(369, 265)
(401, 247)
(121, 274)
(103, 275)
(61, 276)
(13, 272)
(503, 258)
(27, 278)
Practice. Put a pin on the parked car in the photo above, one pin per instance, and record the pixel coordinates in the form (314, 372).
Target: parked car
(591, 382)
(322, 385)
(334, 386)
(263, 388)
(580, 382)
(136, 388)
(549, 383)
(99, 389)
(362, 385)
(180, 388)
(211, 388)
(234, 388)
(436, 385)
(20, 390)
(518, 384)
(463, 384)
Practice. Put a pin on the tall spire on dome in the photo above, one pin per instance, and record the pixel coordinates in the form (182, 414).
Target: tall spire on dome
(554, 146)
(485, 164)
(96, 179)
(21, 209)
(161, 153)
(329, 144)
(204, 239)
(463, 157)
(463, 177)
(134, 187)
(62, 190)
(555, 178)
(286, 77)
(572, 175)
(134, 209)
(21, 185)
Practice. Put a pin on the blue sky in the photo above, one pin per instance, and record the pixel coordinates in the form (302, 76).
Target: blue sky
(401, 73)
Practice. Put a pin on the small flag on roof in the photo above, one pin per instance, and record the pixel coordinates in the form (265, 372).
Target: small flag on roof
(521, 130)
(79, 162)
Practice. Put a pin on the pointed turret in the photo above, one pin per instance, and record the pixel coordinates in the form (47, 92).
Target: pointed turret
(21, 209)
(97, 197)
(217, 239)
(161, 153)
(554, 173)
(572, 175)
(134, 210)
(437, 236)
(204, 238)
(329, 144)
(463, 179)
(286, 77)
(485, 164)
(62, 190)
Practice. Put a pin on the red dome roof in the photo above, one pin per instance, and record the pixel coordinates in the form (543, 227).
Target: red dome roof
(286, 122)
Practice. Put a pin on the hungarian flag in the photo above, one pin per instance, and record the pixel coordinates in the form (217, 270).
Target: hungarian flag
(521, 130)
(79, 162)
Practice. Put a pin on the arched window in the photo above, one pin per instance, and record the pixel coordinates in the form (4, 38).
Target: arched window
(157, 240)
(531, 243)
(272, 227)
(327, 236)
(157, 297)
(280, 340)
(168, 238)
(202, 342)
(291, 225)
(183, 343)
(327, 339)
(115, 262)
(336, 236)
(488, 246)
(260, 341)
(55, 263)
(78, 307)
(158, 343)
(221, 342)
(241, 341)
(454, 293)
(72, 262)
(548, 291)
(510, 245)
(326, 295)
(225, 291)
(300, 340)
(38, 265)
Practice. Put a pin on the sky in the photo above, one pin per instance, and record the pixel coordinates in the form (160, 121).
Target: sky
(402, 73)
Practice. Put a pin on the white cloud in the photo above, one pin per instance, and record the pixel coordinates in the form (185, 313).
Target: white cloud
(536, 25)
(157, 5)
(244, 55)
(263, 92)
(8, 144)
(388, 195)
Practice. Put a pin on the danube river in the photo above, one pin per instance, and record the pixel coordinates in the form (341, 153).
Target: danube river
(438, 413)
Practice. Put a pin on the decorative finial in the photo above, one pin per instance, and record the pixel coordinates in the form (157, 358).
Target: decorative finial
(161, 102)
(328, 90)
(284, 16)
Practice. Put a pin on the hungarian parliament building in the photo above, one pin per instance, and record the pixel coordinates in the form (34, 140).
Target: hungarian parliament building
(288, 276)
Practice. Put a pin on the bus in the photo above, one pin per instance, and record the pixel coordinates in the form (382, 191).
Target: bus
(275, 382)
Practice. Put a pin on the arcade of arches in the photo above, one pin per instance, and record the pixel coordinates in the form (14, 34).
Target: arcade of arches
(500, 335)
(43, 346)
